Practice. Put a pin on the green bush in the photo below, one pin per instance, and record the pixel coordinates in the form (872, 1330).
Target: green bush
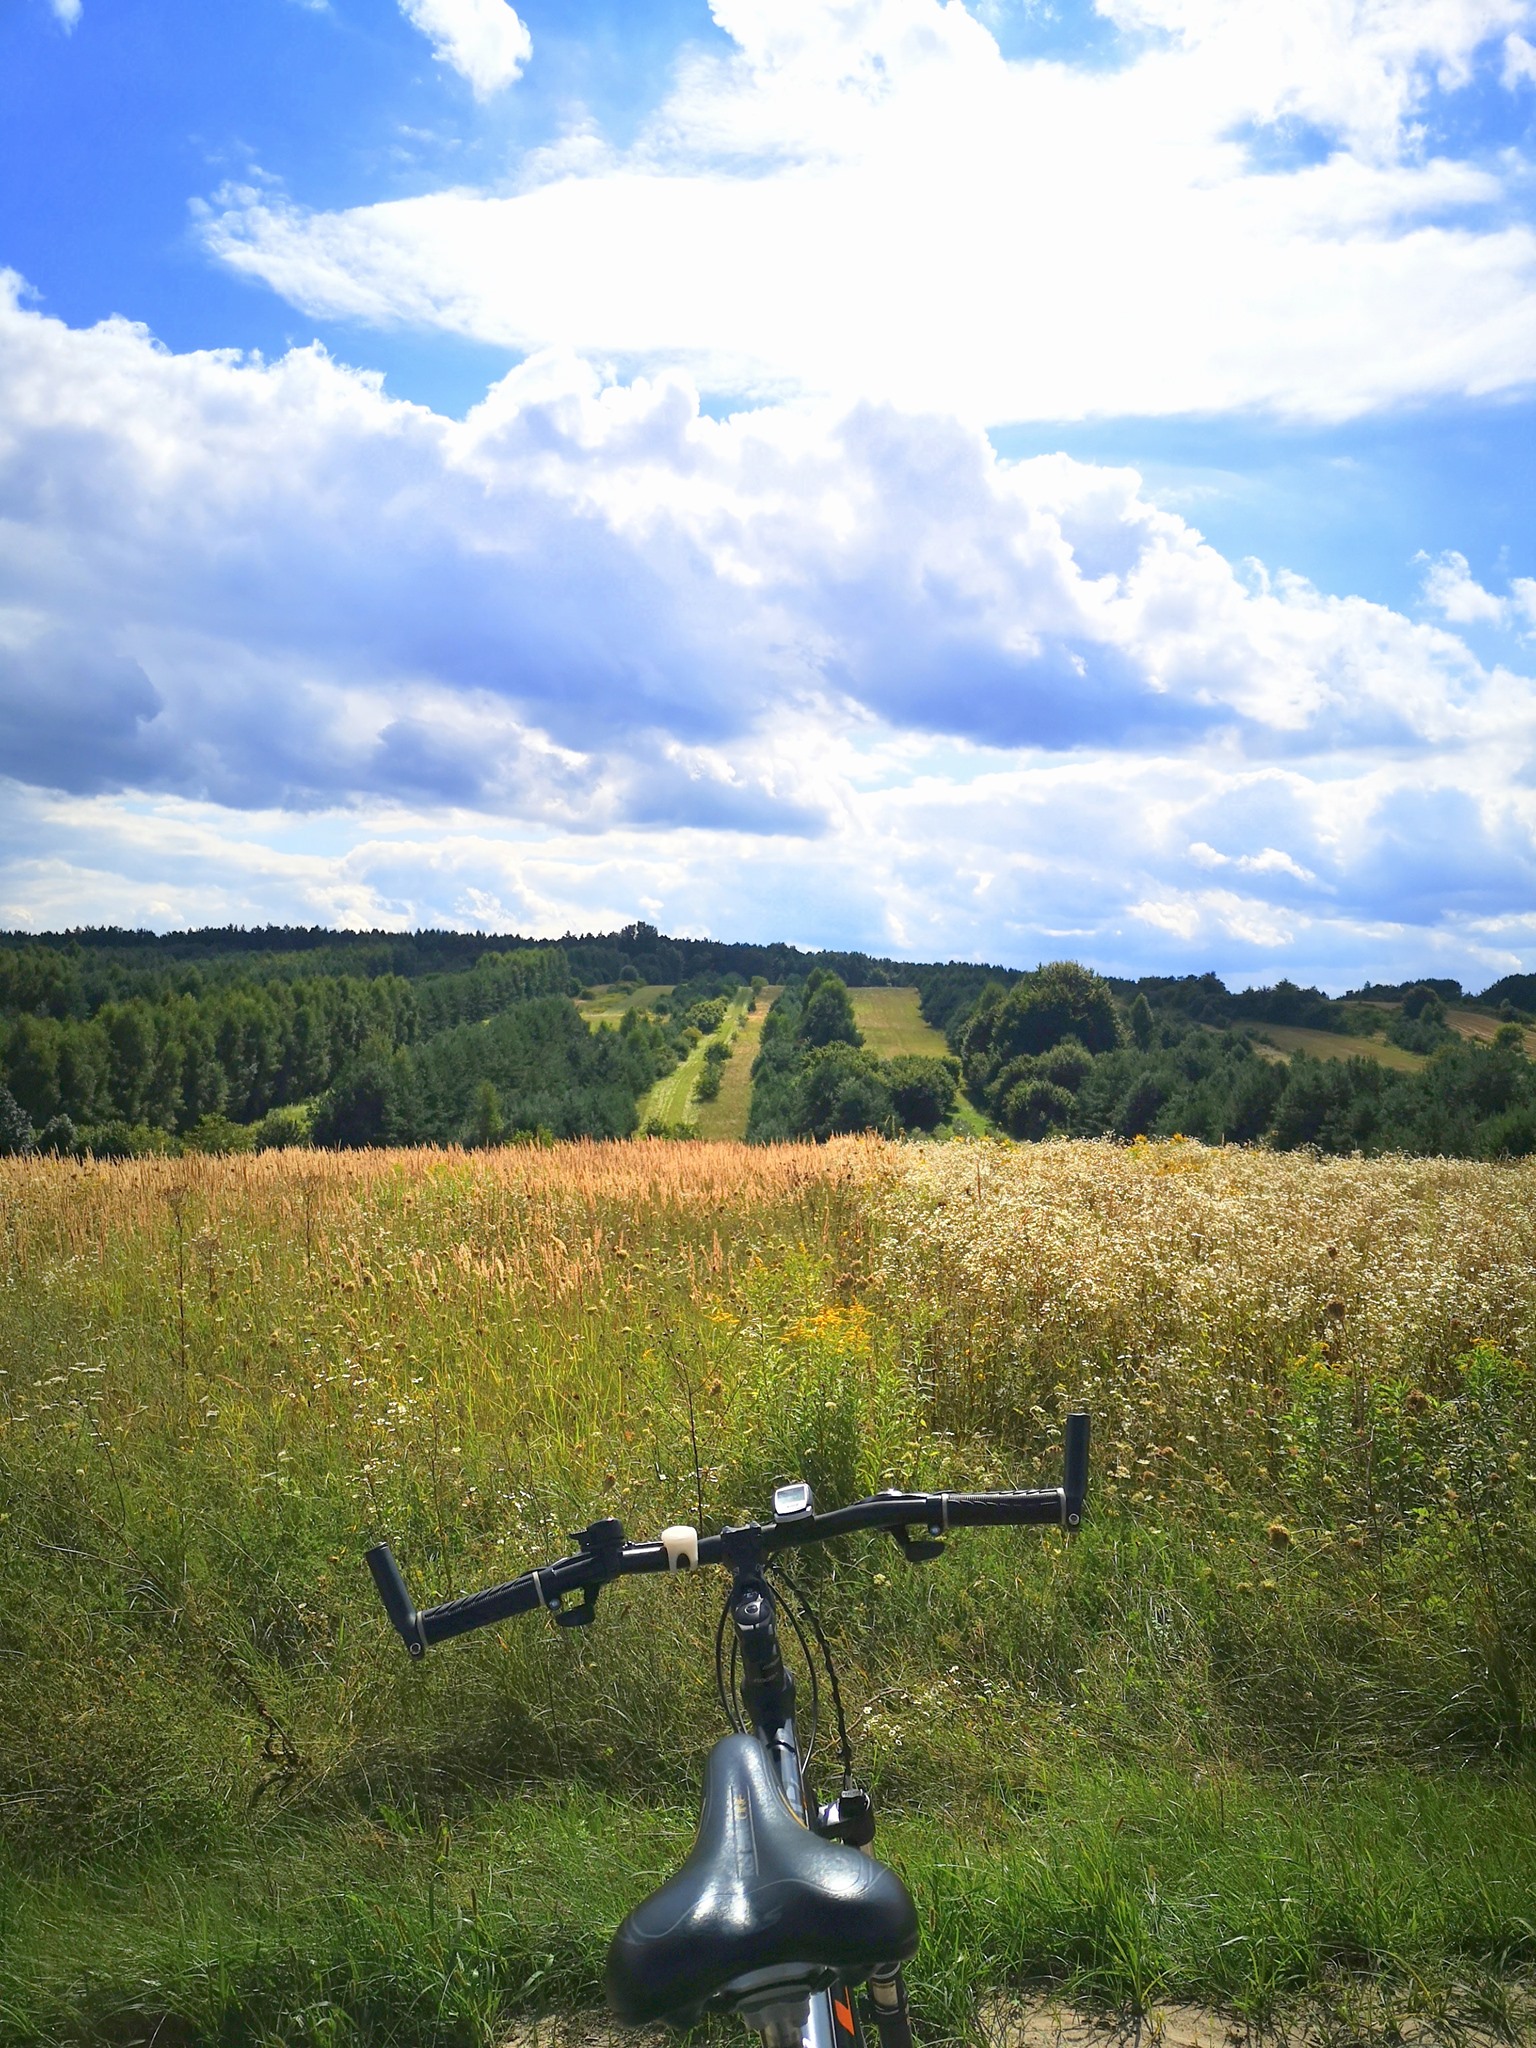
(219, 1134)
(281, 1129)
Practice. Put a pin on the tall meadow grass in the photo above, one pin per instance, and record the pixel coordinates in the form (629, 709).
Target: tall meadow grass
(1303, 1610)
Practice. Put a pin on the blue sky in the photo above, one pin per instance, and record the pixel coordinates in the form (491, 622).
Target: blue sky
(1009, 481)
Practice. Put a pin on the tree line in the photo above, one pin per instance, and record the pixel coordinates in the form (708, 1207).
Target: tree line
(115, 1041)
(1056, 1053)
(218, 1061)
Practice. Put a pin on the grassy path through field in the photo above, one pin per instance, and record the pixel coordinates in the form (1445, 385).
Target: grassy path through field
(726, 1116)
(893, 1024)
(671, 1099)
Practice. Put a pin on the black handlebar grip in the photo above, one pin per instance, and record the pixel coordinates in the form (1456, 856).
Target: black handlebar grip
(480, 1610)
(1074, 1475)
(397, 1600)
(1039, 1509)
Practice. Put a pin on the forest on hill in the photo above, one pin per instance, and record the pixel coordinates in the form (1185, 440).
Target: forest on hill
(123, 1042)
(1063, 1052)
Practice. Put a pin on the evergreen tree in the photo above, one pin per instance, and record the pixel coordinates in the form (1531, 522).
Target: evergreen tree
(16, 1132)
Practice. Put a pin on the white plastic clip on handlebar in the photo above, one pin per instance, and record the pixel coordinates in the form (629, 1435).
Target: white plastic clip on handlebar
(682, 1547)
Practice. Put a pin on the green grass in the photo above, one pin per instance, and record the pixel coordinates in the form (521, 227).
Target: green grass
(670, 1102)
(726, 1116)
(893, 1024)
(1121, 1892)
(1267, 1721)
(970, 1121)
(1333, 1045)
(608, 1005)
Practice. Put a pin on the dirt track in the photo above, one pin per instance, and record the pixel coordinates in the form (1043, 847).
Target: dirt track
(1358, 2017)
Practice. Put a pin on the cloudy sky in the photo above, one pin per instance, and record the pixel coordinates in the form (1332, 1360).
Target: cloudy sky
(1009, 480)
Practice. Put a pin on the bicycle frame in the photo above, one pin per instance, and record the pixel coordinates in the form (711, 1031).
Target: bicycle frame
(768, 1693)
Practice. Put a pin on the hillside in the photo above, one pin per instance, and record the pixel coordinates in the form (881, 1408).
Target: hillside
(1284, 1039)
(119, 1044)
(728, 1114)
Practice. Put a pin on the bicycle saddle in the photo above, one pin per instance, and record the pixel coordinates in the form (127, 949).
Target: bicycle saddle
(759, 1891)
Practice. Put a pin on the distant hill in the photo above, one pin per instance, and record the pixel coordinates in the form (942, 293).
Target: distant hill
(123, 1041)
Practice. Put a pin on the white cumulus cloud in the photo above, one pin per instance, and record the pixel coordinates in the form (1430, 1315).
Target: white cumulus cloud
(870, 200)
(66, 13)
(275, 644)
(1451, 588)
(485, 41)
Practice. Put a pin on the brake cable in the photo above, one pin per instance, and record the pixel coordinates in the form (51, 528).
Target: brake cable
(725, 1686)
(844, 1746)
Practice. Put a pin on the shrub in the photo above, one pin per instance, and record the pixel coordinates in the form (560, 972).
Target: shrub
(281, 1129)
(118, 1139)
(922, 1089)
(219, 1134)
(16, 1134)
(843, 1089)
(827, 1015)
(1035, 1108)
(371, 1104)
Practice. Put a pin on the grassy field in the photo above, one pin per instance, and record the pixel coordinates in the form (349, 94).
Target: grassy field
(1262, 1731)
(726, 1116)
(1482, 1026)
(1333, 1045)
(670, 1102)
(893, 1024)
(609, 1004)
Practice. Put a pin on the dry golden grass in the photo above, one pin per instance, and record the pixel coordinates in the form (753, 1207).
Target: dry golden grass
(1482, 1026)
(1172, 1287)
(78, 1201)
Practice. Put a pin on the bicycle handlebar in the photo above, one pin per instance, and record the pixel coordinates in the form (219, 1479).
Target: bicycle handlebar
(605, 1556)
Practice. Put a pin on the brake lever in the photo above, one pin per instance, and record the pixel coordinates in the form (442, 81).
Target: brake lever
(603, 1542)
(918, 1549)
(575, 1617)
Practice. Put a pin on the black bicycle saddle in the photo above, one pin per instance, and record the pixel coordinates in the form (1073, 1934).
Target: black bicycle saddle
(758, 1891)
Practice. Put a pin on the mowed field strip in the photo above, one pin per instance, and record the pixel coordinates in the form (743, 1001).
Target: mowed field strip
(1482, 1025)
(726, 1116)
(609, 1006)
(669, 1101)
(892, 1023)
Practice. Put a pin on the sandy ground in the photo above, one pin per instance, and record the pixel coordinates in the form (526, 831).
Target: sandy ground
(1359, 2017)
